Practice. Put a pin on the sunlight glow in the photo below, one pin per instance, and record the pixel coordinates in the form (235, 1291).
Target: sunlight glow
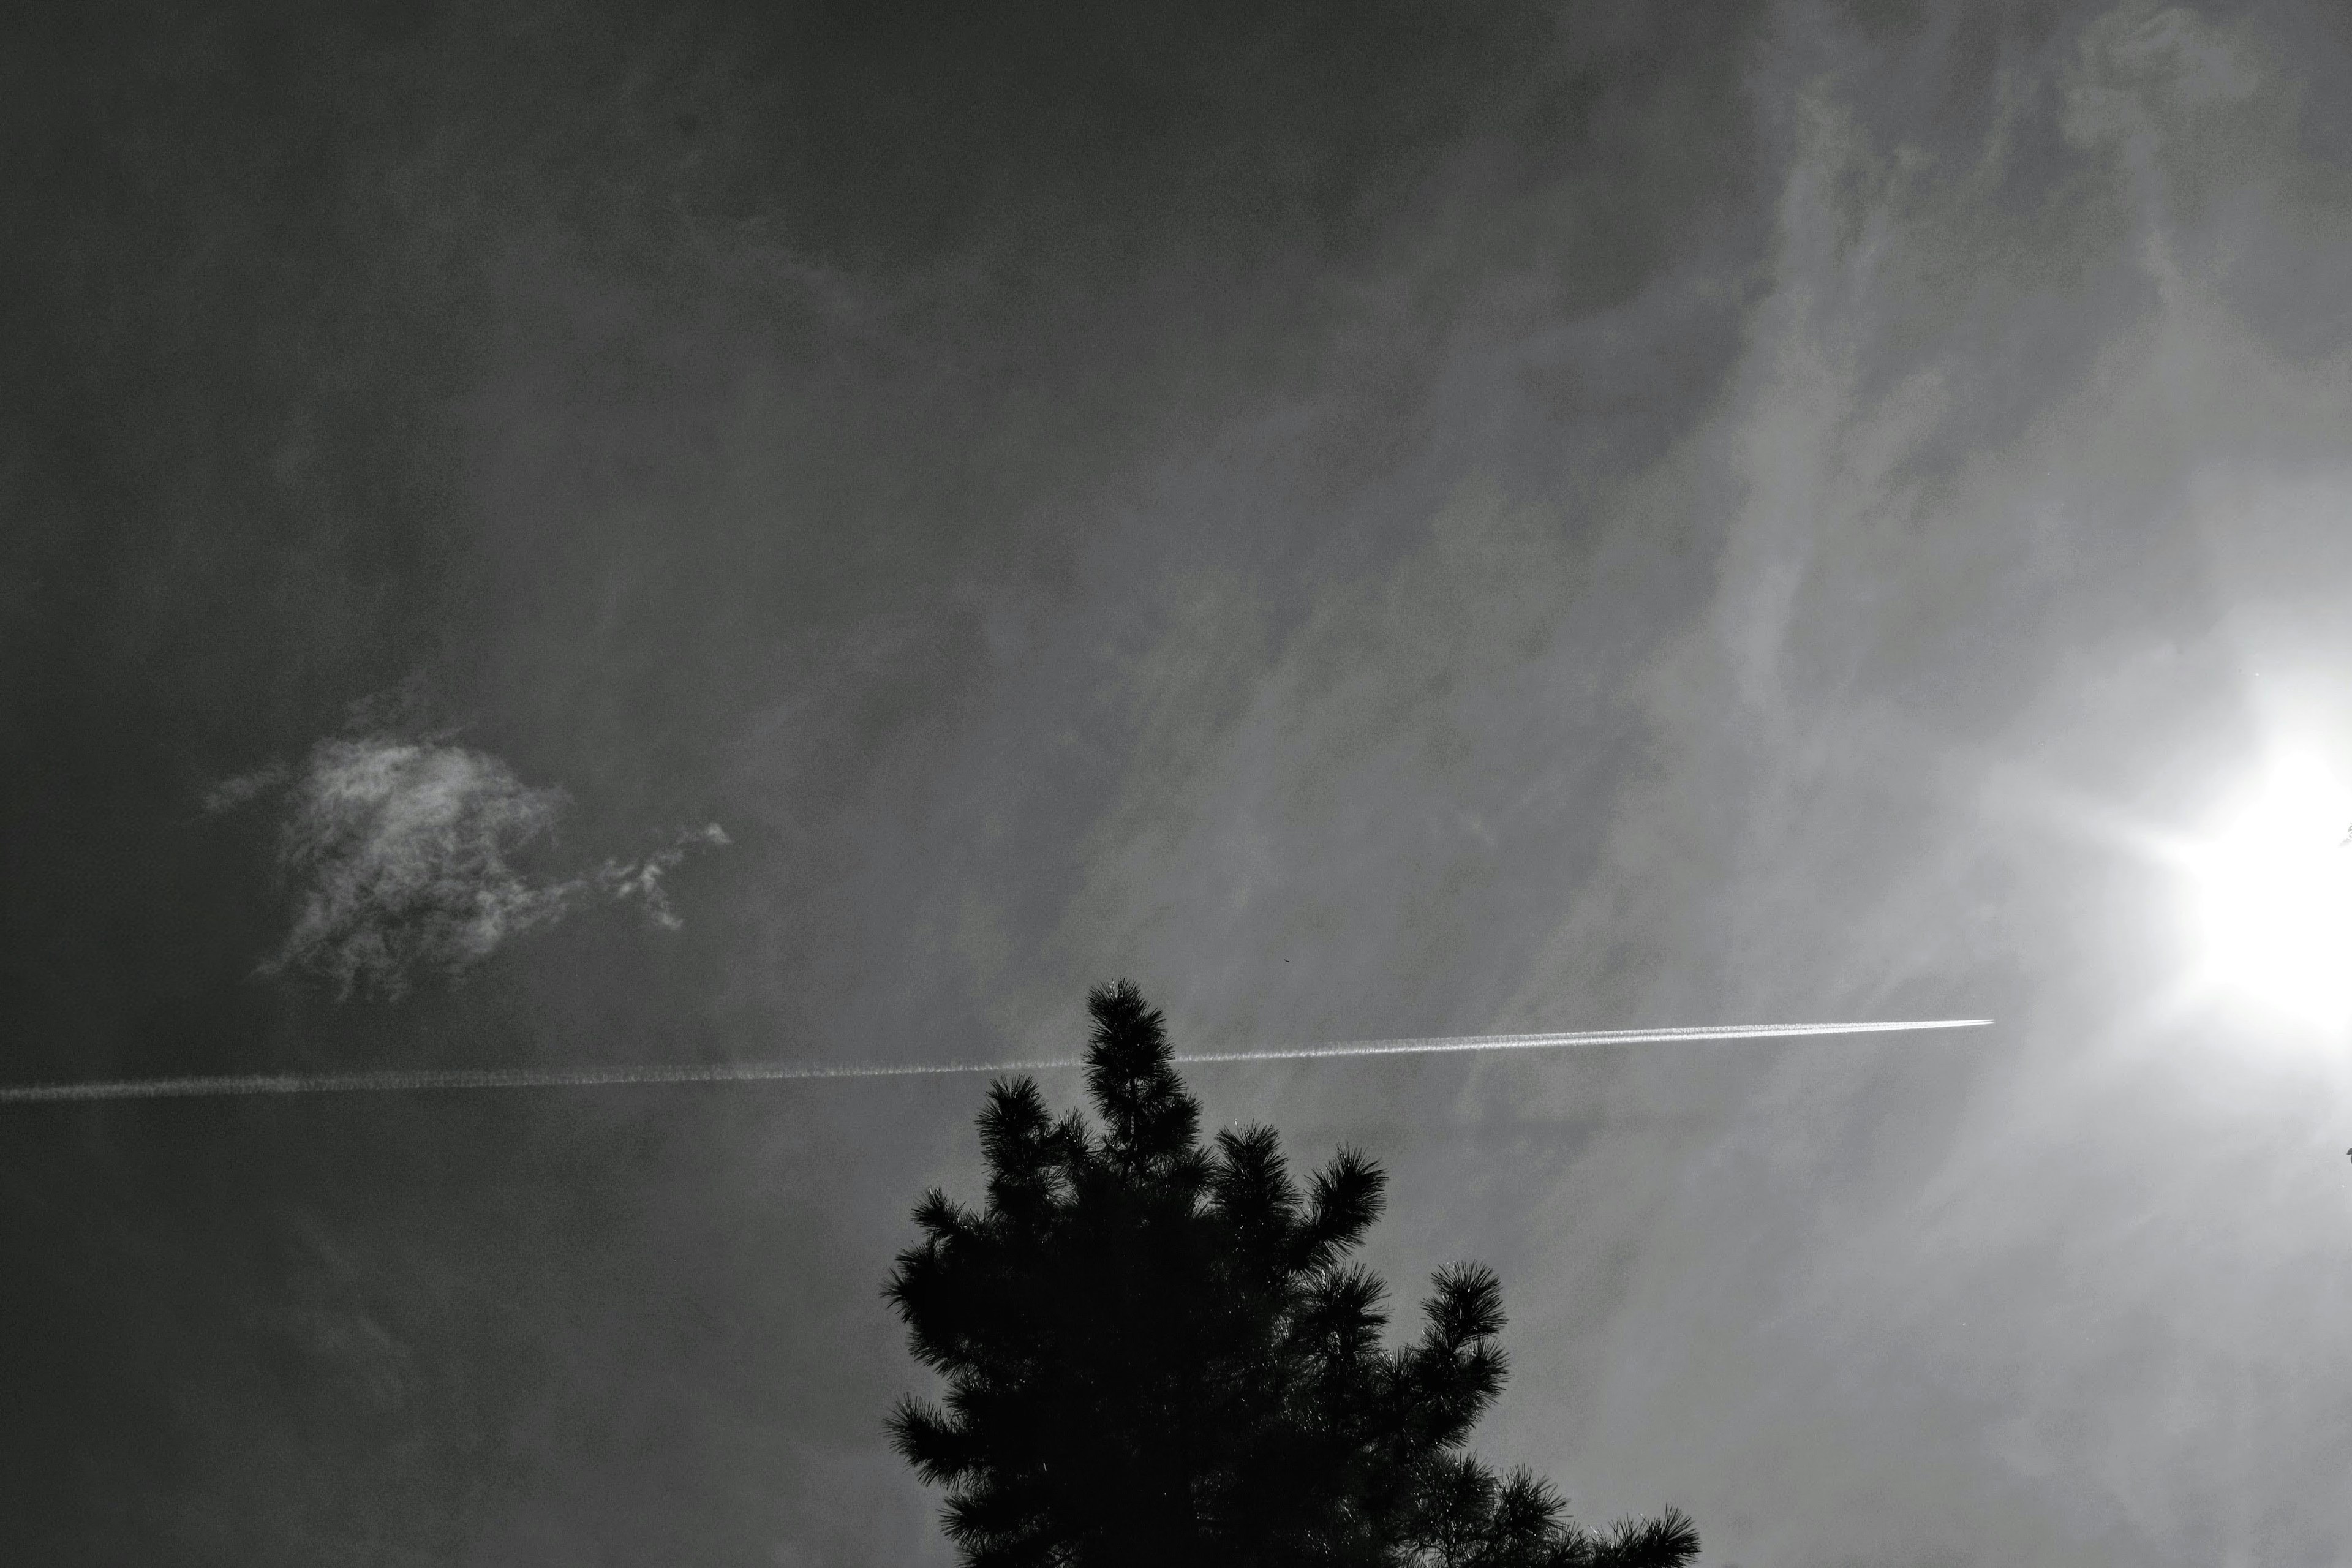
(2276, 884)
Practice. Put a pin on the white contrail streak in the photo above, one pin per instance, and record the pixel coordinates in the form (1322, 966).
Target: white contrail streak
(772, 1072)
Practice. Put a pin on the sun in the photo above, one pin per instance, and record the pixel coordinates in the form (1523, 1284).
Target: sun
(2274, 882)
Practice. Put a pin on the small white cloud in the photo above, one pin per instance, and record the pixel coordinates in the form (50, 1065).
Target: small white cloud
(402, 856)
(404, 853)
(642, 880)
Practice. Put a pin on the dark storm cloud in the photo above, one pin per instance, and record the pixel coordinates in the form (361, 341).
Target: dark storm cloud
(1376, 520)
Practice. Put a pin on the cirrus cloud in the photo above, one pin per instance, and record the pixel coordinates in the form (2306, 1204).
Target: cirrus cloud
(405, 856)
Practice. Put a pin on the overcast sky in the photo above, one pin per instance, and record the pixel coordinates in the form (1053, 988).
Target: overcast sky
(559, 533)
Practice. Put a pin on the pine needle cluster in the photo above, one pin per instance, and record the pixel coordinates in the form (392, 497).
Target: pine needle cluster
(1159, 1352)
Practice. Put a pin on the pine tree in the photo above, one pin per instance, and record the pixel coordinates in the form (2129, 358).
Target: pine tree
(1158, 1353)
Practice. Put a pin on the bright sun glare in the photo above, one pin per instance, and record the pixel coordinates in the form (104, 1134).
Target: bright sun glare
(2276, 880)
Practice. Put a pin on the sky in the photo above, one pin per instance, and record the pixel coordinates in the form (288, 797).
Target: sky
(557, 533)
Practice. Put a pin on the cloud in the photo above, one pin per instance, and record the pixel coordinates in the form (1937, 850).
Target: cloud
(405, 850)
(404, 854)
(231, 792)
(642, 880)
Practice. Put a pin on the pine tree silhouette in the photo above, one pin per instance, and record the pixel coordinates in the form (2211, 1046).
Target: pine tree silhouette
(1160, 1354)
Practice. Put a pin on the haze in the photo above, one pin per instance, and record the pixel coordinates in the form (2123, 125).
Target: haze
(566, 533)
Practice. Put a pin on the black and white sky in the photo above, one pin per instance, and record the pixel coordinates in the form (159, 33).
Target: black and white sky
(547, 532)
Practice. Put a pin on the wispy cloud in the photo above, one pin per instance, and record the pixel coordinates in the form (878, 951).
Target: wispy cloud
(403, 851)
(404, 858)
(232, 793)
(642, 880)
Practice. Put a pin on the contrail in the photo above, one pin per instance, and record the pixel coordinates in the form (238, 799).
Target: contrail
(401, 1080)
